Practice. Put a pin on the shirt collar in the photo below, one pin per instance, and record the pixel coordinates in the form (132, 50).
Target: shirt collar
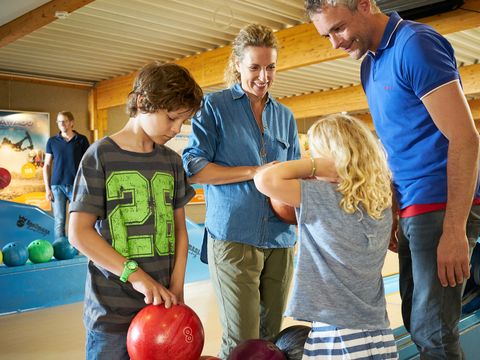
(392, 26)
(59, 134)
(238, 92)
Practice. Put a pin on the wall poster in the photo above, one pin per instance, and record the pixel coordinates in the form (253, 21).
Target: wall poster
(23, 138)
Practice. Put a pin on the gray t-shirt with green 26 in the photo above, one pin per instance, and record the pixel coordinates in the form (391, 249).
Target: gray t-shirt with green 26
(338, 277)
(134, 196)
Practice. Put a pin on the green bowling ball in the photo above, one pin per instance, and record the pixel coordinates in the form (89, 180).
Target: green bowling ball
(40, 251)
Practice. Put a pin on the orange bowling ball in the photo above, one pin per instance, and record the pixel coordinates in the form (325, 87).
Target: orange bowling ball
(284, 212)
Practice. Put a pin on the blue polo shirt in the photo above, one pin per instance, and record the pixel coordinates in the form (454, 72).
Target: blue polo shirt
(66, 157)
(412, 61)
(226, 133)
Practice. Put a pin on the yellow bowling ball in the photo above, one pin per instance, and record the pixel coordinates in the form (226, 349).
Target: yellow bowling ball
(28, 171)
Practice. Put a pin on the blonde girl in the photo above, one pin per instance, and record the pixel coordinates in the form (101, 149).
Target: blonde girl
(343, 200)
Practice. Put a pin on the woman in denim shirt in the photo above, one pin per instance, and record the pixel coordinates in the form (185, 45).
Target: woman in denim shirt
(238, 131)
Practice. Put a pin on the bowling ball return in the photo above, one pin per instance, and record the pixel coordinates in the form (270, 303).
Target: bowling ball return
(34, 286)
(58, 282)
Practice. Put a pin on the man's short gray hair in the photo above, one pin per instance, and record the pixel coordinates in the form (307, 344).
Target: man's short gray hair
(315, 6)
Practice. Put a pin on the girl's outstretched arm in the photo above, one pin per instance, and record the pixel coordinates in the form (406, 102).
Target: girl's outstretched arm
(281, 181)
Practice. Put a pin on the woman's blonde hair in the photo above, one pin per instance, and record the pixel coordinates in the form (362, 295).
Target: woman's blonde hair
(360, 162)
(251, 35)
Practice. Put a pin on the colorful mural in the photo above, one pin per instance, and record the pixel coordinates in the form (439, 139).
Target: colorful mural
(23, 137)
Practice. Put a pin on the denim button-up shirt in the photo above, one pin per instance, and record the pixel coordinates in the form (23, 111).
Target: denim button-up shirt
(226, 133)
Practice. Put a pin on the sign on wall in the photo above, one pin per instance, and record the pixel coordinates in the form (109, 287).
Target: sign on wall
(23, 137)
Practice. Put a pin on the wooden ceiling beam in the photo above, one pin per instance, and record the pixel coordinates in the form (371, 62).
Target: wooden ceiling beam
(304, 124)
(114, 92)
(299, 46)
(47, 81)
(464, 18)
(349, 99)
(475, 107)
(37, 18)
(352, 99)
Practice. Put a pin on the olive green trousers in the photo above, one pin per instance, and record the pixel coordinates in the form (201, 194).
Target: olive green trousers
(251, 285)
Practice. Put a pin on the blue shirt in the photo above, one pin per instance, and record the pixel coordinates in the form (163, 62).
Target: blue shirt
(226, 133)
(411, 61)
(66, 157)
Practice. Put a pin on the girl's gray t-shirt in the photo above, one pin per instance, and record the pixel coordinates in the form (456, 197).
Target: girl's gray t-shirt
(338, 277)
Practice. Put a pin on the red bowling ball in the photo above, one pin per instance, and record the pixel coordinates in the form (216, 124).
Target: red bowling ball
(158, 333)
(284, 212)
(256, 349)
(5, 178)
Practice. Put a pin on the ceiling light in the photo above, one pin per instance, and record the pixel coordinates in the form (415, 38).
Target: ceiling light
(61, 14)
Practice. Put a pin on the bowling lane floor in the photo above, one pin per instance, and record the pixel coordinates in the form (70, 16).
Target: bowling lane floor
(57, 333)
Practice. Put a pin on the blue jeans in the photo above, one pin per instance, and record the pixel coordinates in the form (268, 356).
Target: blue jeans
(106, 346)
(430, 311)
(61, 193)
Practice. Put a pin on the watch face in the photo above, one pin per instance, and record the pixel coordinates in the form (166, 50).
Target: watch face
(132, 265)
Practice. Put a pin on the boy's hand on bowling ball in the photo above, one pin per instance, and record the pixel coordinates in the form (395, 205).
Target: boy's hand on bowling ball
(154, 292)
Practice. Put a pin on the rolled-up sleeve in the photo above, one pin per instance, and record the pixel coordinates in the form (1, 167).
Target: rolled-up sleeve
(202, 143)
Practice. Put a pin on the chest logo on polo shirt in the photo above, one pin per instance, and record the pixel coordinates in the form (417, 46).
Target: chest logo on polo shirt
(148, 198)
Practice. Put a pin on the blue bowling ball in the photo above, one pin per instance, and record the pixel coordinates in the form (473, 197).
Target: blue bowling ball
(15, 254)
(63, 250)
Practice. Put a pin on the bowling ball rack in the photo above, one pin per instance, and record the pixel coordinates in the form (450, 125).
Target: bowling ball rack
(58, 282)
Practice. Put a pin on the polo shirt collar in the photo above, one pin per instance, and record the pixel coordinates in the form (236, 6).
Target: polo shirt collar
(238, 92)
(59, 135)
(392, 26)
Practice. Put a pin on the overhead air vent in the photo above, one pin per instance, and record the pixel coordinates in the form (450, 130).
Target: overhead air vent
(415, 9)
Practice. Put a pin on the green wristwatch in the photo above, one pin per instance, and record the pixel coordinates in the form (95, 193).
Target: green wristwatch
(129, 267)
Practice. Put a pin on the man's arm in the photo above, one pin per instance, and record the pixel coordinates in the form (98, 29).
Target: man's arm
(47, 166)
(450, 112)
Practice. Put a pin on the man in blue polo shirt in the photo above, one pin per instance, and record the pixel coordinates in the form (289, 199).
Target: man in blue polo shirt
(420, 113)
(65, 150)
